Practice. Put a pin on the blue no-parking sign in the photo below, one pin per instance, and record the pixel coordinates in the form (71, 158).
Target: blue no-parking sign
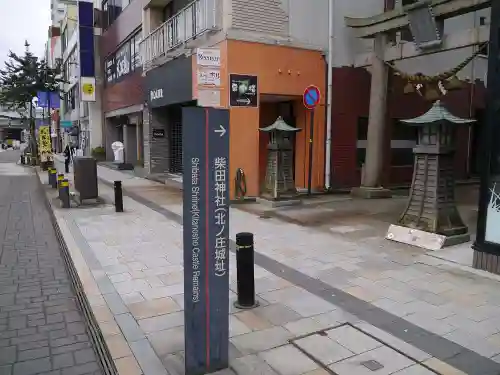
(311, 97)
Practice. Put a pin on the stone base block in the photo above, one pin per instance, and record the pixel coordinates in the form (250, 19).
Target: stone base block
(274, 203)
(486, 262)
(425, 240)
(370, 192)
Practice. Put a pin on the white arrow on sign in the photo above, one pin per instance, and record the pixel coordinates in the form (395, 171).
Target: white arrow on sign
(246, 101)
(221, 130)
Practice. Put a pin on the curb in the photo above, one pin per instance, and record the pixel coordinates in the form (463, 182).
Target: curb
(100, 348)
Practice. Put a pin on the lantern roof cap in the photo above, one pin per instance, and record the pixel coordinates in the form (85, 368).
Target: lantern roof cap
(437, 113)
(279, 125)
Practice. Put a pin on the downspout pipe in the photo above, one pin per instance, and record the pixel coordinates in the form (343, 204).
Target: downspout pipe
(328, 141)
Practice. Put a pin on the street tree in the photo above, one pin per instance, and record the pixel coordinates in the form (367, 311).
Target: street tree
(21, 79)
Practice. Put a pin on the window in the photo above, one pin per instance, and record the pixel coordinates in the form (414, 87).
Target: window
(362, 130)
(122, 60)
(483, 51)
(104, 8)
(64, 39)
(136, 51)
(111, 10)
(125, 60)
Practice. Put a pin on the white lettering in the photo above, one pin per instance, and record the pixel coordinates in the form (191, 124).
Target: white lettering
(195, 228)
(156, 94)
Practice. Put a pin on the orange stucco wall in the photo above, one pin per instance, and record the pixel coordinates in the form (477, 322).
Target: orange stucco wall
(281, 71)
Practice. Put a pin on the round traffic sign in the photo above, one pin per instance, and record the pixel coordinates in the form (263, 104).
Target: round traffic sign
(311, 97)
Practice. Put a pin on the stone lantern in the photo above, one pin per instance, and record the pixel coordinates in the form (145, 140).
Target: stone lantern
(431, 218)
(279, 183)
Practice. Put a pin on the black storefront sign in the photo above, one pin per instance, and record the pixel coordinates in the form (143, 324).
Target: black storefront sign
(171, 83)
(206, 239)
(158, 133)
(243, 90)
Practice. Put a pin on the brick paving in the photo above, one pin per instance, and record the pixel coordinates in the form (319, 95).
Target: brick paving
(41, 328)
(337, 292)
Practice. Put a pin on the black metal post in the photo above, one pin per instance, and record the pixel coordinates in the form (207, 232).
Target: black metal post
(245, 271)
(118, 196)
(22, 160)
(53, 178)
(311, 137)
(64, 193)
(49, 172)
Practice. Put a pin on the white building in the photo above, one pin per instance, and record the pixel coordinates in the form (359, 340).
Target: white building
(84, 115)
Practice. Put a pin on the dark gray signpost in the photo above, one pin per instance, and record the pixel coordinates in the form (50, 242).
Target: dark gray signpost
(205, 142)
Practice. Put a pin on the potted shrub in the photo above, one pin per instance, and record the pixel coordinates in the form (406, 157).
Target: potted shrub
(99, 153)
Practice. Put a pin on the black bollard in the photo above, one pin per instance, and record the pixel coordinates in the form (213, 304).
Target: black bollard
(22, 160)
(118, 196)
(60, 178)
(245, 271)
(64, 193)
(49, 172)
(53, 177)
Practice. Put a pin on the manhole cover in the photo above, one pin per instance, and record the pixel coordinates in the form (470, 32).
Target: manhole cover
(372, 365)
(346, 350)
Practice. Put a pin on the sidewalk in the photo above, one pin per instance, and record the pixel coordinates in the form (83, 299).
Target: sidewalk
(403, 309)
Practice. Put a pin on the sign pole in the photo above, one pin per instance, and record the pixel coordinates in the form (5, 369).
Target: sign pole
(206, 239)
(311, 99)
(311, 137)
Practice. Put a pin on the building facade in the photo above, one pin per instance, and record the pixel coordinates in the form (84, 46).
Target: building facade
(275, 49)
(81, 108)
(351, 97)
(122, 94)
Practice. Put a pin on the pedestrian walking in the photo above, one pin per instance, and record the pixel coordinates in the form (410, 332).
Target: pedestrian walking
(67, 158)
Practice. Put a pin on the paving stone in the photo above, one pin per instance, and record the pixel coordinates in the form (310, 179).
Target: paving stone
(323, 349)
(118, 347)
(390, 360)
(261, 340)
(352, 339)
(129, 327)
(237, 327)
(253, 321)
(148, 309)
(128, 366)
(288, 360)
(168, 341)
(84, 356)
(32, 367)
(162, 322)
(147, 359)
(62, 360)
(252, 365)
(33, 354)
(277, 314)
(7, 355)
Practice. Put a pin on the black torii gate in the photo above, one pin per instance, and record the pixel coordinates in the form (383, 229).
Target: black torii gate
(487, 244)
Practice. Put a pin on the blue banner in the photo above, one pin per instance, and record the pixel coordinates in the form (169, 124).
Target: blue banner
(48, 99)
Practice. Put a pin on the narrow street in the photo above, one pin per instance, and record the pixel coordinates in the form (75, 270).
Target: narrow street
(41, 328)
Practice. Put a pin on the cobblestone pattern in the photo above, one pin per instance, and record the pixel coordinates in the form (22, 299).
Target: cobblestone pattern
(41, 329)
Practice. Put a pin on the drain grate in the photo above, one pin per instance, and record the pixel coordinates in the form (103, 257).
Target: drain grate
(346, 349)
(372, 365)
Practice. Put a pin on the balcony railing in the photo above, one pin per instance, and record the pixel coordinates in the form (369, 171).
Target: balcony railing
(190, 22)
